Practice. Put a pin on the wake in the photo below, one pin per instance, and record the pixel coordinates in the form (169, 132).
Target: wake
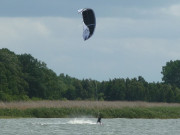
(81, 121)
(75, 121)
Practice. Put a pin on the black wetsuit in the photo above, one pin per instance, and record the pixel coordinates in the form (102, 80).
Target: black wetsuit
(99, 120)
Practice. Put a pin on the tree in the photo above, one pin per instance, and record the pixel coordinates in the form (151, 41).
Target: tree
(171, 73)
(43, 82)
(117, 89)
(12, 83)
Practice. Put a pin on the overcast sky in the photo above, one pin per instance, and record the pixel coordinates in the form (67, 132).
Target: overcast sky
(132, 37)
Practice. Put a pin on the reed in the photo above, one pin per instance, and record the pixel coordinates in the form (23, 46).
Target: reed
(126, 112)
(108, 109)
(81, 104)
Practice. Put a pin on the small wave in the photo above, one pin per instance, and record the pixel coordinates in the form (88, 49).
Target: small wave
(81, 121)
(47, 123)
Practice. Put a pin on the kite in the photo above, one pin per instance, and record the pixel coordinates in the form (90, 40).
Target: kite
(89, 22)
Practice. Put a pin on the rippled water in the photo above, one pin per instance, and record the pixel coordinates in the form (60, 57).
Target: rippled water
(88, 126)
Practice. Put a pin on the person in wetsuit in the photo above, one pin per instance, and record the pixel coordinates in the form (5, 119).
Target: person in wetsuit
(99, 119)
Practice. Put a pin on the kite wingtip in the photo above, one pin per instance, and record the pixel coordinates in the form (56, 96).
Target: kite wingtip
(80, 11)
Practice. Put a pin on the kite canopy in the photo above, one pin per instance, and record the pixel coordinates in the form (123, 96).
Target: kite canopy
(89, 22)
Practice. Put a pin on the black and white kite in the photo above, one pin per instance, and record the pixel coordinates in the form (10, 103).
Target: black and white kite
(89, 22)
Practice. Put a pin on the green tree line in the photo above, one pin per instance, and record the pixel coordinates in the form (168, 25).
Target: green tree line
(23, 77)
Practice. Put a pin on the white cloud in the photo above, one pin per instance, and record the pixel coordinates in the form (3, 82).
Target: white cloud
(173, 10)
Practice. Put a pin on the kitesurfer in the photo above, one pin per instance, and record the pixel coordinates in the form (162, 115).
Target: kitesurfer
(99, 119)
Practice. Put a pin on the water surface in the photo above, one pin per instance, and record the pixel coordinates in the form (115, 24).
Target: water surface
(88, 126)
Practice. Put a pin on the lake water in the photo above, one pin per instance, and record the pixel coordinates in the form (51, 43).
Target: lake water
(88, 126)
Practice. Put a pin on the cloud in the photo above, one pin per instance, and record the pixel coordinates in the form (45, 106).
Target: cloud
(21, 28)
(173, 10)
(120, 47)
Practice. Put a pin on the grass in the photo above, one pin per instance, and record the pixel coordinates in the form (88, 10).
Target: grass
(64, 109)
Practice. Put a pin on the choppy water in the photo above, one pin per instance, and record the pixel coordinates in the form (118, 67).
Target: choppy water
(88, 126)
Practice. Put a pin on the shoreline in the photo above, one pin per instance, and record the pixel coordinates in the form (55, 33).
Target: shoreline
(72, 109)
